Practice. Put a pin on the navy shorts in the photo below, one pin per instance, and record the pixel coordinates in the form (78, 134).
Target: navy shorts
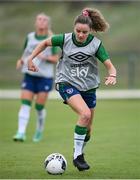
(37, 84)
(66, 91)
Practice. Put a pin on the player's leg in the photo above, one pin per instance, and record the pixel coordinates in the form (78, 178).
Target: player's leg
(27, 94)
(77, 103)
(80, 107)
(89, 129)
(41, 115)
(43, 87)
(72, 97)
(90, 99)
(24, 114)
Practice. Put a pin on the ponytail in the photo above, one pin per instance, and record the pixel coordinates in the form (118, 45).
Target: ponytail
(98, 21)
(94, 19)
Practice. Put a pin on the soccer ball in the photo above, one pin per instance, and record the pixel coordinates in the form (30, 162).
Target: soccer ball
(55, 163)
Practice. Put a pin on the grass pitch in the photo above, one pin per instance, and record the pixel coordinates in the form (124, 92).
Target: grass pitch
(113, 152)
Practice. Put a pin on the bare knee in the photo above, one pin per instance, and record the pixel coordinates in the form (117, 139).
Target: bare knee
(85, 117)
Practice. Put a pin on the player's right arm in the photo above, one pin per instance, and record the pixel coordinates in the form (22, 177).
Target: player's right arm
(36, 51)
(20, 61)
(56, 40)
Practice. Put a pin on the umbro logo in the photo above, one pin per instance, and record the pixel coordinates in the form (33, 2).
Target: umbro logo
(79, 56)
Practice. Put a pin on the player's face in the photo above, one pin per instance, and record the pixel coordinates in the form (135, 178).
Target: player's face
(81, 31)
(41, 22)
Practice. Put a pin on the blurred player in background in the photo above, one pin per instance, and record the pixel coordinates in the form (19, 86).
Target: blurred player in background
(39, 83)
(77, 75)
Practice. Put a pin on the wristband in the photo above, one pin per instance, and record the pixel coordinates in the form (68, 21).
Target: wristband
(112, 75)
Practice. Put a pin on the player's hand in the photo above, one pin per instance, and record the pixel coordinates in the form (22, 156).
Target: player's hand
(31, 66)
(110, 80)
(19, 64)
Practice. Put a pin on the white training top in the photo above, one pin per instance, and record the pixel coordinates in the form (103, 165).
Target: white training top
(46, 68)
(78, 64)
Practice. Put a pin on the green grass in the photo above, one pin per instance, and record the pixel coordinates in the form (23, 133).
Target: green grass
(113, 152)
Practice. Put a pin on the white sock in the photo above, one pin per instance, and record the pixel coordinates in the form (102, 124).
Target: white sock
(78, 144)
(41, 115)
(23, 118)
(84, 144)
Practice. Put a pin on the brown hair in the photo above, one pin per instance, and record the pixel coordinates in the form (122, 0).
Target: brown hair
(94, 19)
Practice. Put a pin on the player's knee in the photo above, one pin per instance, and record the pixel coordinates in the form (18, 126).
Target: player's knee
(86, 116)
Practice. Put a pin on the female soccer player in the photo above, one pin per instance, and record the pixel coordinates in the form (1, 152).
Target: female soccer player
(36, 83)
(77, 73)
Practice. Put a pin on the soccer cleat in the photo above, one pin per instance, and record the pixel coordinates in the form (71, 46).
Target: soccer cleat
(80, 163)
(19, 137)
(37, 137)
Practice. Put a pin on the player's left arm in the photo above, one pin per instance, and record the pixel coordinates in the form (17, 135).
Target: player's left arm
(103, 56)
(51, 58)
(111, 78)
(55, 55)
